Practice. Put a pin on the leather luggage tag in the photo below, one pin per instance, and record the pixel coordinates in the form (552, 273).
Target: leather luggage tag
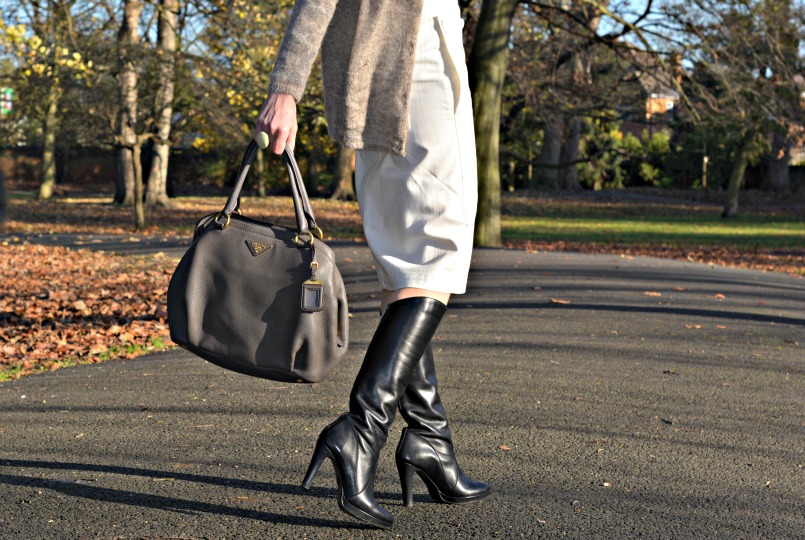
(312, 291)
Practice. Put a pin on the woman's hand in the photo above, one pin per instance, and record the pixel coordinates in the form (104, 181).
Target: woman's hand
(278, 118)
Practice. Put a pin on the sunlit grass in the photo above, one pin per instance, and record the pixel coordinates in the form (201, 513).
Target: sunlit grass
(746, 232)
(577, 219)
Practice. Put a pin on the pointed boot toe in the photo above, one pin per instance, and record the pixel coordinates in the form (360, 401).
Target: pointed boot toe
(365, 508)
(354, 467)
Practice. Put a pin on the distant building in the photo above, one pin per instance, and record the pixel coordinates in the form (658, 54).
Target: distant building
(648, 98)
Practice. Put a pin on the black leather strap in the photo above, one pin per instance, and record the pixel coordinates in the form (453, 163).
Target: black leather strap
(305, 220)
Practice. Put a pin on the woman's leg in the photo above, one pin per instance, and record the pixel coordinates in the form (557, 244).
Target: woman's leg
(387, 296)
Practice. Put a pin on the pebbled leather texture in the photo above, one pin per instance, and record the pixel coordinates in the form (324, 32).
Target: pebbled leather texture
(235, 298)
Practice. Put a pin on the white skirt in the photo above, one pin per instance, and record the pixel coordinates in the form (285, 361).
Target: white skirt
(418, 211)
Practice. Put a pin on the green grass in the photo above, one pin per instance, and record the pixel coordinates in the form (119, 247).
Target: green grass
(13, 371)
(683, 228)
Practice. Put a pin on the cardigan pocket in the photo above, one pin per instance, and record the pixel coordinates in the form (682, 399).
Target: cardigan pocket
(452, 45)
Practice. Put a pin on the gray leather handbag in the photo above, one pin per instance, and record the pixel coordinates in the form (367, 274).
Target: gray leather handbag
(261, 299)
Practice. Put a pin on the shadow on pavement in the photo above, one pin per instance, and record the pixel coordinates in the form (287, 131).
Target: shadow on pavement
(75, 489)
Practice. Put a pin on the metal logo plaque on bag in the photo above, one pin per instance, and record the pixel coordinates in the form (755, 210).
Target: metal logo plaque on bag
(258, 298)
(257, 247)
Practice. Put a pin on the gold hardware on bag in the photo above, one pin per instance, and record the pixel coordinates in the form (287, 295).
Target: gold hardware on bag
(299, 242)
(312, 234)
(228, 218)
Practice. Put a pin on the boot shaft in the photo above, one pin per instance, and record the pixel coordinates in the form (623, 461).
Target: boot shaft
(398, 344)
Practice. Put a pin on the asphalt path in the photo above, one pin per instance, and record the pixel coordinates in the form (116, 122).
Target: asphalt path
(601, 396)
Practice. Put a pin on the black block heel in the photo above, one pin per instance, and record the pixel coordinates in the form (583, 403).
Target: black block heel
(406, 480)
(319, 455)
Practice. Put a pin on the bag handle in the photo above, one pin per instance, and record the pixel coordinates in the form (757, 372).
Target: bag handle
(305, 221)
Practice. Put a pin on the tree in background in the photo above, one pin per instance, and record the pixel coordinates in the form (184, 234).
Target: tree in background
(743, 83)
(2, 202)
(550, 81)
(563, 80)
(130, 172)
(45, 45)
(163, 107)
(232, 63)
(343, 187)
(487, 71)
(568, 93)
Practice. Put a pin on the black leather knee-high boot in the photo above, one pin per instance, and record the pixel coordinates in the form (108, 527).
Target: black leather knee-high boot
(426, 448)
(353, 442)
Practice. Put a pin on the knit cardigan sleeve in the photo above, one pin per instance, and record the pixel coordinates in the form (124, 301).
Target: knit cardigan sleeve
(300, 46)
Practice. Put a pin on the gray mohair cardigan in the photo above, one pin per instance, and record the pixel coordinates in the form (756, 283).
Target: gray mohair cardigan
(368, 49)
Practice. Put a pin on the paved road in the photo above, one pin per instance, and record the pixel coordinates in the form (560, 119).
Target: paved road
(610, 414)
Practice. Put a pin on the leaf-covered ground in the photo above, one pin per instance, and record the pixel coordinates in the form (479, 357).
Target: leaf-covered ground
(96, 215)
(765, 260)
(60, 306)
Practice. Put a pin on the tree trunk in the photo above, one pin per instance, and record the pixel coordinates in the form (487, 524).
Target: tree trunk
(581, 82)
(314, 167)
(777, 177)
(487, 70)
(166, 52)
(2, 203)
(127, 39)
(569, 175)
(562, 134)
(547, 177)
(139, 207)
(342, 188)
(124, 182)
(260, 172)
(49, 152)
(736, 180)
